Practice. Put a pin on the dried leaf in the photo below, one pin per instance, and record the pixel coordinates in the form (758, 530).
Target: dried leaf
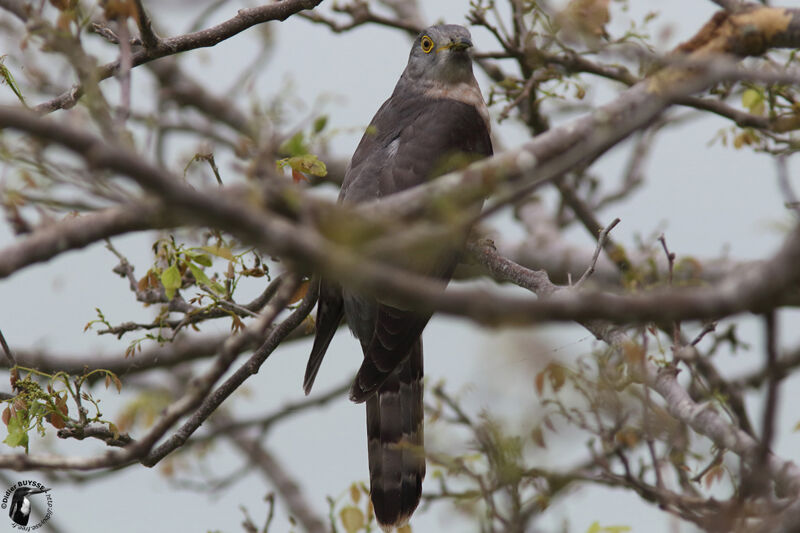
(634, 353)
(297, 176)
(219, 251)
(587, 17)
(557, 376)
(539, 381)
(115, 9)
(627, 437)
(538, 437)
(352, 518)
(714, 474)
(117, 382)
(355, 493)
(237, 325)
(300, 293)
(56, 421)
(61, 405)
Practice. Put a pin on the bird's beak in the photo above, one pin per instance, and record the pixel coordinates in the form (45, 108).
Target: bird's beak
(38, 491)
(459, 45)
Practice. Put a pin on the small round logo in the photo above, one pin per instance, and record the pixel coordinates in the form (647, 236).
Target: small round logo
(19, 500)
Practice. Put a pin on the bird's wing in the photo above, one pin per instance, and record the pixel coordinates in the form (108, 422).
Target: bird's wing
(413, 140)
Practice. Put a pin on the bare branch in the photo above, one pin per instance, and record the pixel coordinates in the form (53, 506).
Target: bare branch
(96, 432)
(770, 405)
(77, 232)
(243, 20)
(602, 239)
(148, 36)
(700, 417)
(7, 351)
(249, 368)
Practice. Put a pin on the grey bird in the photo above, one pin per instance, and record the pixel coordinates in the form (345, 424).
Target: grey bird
(435, 121)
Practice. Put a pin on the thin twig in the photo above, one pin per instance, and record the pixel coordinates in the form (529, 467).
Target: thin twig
(708, 328)
(602, 239)
(148, 36)
(7, 350)
(773, 380)
(676, 325)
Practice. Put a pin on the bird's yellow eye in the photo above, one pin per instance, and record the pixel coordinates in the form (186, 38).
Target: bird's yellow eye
(426, 43)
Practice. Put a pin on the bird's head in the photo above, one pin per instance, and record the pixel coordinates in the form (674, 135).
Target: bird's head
(440, 54)
(29, 491)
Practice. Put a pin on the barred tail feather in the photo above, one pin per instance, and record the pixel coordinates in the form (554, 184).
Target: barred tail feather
(396, 444)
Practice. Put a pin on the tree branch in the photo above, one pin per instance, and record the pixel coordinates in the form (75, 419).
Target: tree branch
(77, 232)
(244, 19)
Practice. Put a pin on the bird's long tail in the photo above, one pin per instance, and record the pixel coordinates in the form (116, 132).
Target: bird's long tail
(395, 442)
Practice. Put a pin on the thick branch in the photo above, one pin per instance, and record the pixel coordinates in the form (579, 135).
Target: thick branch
(754, 290)
(77, 232)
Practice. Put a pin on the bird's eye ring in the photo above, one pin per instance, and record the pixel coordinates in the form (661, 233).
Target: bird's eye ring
(426, 43)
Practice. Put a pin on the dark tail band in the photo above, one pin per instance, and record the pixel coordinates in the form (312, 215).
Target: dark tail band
(396, 442)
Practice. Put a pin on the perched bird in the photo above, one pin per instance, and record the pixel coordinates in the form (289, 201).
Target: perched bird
(20, 508)
(434, 122)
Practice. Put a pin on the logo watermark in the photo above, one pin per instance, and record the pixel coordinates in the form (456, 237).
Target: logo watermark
(18, 498)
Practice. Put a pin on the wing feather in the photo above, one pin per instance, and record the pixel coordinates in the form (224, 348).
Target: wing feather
(411, 140)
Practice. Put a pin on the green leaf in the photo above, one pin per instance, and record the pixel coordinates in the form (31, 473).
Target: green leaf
(308, 164)
(171, 279)
(753, 100)
(200, 259)
(202, 279)
(320, 123)
(17, 431)
(9, 79)
(295, 145)
(597, 528)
